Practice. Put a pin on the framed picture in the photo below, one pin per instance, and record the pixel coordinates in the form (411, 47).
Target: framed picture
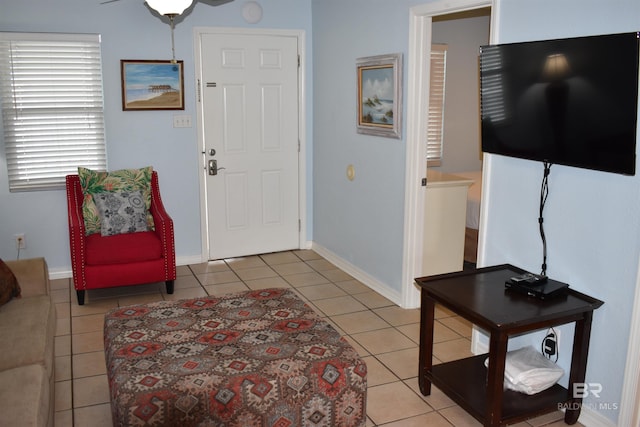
(380, 95)
(152, 85)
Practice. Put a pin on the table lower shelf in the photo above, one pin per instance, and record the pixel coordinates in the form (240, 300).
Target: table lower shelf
(465, 382)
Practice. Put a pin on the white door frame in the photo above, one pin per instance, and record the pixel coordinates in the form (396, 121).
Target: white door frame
(420, 28)
(302, 130)
(629, 408)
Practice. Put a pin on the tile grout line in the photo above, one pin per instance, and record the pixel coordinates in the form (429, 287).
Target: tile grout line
(73, 411)
(264, 259)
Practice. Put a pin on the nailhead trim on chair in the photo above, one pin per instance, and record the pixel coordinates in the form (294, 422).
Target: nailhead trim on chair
(74, 242)
(157, 201)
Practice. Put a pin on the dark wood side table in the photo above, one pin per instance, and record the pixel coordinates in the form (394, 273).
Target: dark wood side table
(480, 297)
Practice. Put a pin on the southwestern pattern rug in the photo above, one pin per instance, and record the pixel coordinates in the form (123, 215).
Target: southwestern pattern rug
(258, 358)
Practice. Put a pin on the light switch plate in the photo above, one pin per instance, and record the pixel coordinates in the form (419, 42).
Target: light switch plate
(182, 121)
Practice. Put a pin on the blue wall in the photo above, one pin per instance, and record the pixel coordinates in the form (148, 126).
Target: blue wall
(361, 220)
(140, 138)
(591, 218)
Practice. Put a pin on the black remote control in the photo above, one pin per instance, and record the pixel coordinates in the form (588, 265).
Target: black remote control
(529, 279)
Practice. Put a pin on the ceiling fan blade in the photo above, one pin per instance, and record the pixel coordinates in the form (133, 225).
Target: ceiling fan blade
(211, 2)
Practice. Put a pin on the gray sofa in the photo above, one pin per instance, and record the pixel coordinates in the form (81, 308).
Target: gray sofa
(27, 329)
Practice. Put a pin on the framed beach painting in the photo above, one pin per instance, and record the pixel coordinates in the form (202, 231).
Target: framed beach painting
(380, 95)
(152, 85)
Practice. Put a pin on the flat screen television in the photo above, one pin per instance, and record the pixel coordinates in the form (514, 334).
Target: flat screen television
(568, 101)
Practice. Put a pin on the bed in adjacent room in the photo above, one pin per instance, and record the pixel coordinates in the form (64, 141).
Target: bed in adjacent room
(473, 215)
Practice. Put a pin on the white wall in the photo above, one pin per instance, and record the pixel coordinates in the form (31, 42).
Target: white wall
(134, 138)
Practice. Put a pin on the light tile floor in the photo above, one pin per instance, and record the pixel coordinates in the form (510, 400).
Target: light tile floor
(385, 335)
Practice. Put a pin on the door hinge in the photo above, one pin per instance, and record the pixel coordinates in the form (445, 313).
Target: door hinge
(299, 225)
(298, 61)
(298, 145)
(424, 182)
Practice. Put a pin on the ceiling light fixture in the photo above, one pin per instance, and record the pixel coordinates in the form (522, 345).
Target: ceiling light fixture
(170, 9)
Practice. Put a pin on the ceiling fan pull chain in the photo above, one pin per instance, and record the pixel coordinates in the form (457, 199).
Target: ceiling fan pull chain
(173, 45)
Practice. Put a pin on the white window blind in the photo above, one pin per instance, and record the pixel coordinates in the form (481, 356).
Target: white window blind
(52, 107)
(435, 122)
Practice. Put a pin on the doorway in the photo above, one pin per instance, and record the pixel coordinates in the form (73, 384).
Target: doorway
(249, 122)
(420, 40)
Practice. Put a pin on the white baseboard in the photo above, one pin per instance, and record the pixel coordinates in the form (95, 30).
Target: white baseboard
(590, 418)
(478, 344)
(60, 273)
(358, 274)
(66, 273)
(188, 260)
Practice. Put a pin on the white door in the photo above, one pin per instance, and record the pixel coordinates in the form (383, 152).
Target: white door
(249, 101)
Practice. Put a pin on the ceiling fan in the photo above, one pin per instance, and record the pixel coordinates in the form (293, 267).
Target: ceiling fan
(173, 8)
(209, 2)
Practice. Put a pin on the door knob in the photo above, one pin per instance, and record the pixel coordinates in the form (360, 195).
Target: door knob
(213, 167)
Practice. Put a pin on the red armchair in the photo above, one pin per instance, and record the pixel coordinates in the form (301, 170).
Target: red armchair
(124, 259)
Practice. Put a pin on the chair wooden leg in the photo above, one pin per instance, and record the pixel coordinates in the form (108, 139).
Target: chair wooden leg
(80, 297)
(169, 286)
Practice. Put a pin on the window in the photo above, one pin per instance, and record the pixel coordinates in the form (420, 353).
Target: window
(52, 107)
(435, 121)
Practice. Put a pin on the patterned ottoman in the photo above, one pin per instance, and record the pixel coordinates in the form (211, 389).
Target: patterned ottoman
(258, 358)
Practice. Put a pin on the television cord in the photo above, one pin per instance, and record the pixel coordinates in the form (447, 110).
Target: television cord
(544, 192)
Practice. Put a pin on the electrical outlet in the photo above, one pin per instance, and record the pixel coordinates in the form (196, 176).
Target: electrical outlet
(21, 243)
(551, 343)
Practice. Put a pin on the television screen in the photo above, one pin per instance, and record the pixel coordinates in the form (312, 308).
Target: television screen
(569, 101)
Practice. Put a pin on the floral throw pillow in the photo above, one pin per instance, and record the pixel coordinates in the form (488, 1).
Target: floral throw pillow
(121, 212)
(9, 287)
(93, 182)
